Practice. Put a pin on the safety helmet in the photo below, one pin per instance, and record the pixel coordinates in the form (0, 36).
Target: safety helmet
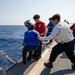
(28, 24)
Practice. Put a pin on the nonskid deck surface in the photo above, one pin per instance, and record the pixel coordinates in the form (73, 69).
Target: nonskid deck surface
(20, 68)
(62, 66)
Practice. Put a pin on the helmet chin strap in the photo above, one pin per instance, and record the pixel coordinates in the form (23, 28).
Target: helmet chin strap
(29, 29)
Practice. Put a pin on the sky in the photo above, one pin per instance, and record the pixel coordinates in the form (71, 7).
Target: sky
(15, 12)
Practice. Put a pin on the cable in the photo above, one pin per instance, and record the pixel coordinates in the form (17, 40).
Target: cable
(6, 54)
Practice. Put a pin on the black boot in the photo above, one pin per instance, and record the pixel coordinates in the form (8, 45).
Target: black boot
(24, 61)
(73, 66)
(33, 55)
(38, 57)
(49, 64)
(24, 56)
(29, 58)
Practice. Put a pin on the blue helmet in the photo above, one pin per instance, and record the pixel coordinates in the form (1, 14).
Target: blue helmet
(28, 24)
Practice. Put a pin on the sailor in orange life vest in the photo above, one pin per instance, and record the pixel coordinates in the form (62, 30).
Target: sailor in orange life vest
(64, 38)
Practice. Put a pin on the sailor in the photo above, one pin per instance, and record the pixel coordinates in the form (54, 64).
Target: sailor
(50, 27)
(31, 43)
(73, 29)
(41, 28)
(64, 38)
(2, 72)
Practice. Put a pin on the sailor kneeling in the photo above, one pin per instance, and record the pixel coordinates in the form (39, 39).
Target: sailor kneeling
(31, 42)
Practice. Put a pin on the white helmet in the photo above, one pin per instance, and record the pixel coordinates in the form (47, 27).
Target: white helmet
(2, 72)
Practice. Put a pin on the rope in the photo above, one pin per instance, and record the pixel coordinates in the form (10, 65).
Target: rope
(6, 54)
(13, 49)
(7, 57)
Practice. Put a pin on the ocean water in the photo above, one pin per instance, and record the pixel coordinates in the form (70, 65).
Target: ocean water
(10, 38)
